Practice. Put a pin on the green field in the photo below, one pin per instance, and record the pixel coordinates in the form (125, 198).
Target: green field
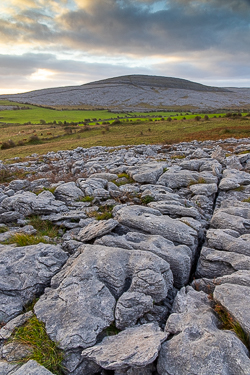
(35, 114)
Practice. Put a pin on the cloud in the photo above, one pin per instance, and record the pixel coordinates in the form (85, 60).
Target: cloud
(92, 39)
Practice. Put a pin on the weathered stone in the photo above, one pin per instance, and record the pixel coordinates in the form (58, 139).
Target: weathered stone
(221, 240)
(7, 330)
(24, 273)
(198, 346)
(134, 347)
(179, 257)
(83, 295)
(32, 368)
(236, 300)
(174, 210)
(215, 263)
(130, 307)
(204, 189)
(151, 221)
(219, 154)
(68, 191)
(147, 173)
(223, 220)
(96, 229)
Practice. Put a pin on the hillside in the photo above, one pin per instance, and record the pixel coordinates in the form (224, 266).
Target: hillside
(138, 92)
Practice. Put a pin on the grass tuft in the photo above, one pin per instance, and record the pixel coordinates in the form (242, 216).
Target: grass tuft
(22, 239)
(246, 200)
(147, 199)
(3, 229)
(44, 350)
(44, 227)
(86, 199)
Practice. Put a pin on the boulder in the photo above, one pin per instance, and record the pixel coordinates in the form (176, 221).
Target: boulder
(134, 347)
(147, 173)
(179, 257)
(68, 191)
(32, 368)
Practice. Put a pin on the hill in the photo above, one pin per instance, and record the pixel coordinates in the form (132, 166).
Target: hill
(138, 92)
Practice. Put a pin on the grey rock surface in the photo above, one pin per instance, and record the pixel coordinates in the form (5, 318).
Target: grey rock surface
(179, 257)
(214, 263)
(198, 346)
(147, 173)
(134, 347)
(7, 330)
(32, 368)
(24, 273)
(96, 229)
(235, 299)
(100, 275)
(152, 221)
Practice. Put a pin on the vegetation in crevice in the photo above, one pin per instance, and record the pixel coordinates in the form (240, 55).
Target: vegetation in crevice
(44, 350)
(229, 323)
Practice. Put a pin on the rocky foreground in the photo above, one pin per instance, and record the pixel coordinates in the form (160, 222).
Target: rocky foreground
(152, 238)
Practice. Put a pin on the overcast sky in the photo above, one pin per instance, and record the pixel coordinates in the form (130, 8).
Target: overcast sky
(49, 43)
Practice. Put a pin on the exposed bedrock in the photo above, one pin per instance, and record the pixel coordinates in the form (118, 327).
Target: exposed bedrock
(138, 244)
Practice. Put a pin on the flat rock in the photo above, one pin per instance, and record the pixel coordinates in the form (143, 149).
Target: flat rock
(220, 239)
(68, 191)
(7, 330)
(236, 300)
(224, 220)
(174, 210)
(134, 347)
(152, 221)
(24, 273)
(96, 229)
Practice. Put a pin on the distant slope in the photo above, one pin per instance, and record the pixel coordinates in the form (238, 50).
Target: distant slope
(138, 92)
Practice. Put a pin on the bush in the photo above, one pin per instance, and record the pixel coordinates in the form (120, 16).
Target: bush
(197, 118)
(206, 117)
(34, 139)
(8, 144)
(169, 119)
(42, 122)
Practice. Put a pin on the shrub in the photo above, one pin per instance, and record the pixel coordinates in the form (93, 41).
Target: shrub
(42, 122)
(206, 117)
(197, 118)
(8, 144)
(5, 176)
(169, 119)
(34, 139)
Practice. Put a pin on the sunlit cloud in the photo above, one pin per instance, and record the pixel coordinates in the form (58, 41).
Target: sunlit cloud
(59, 42)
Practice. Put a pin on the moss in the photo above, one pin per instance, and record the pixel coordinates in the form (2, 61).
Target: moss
(52, 190)
(246, 200)
(103, 213)
(178, 157)
(239, 188)
(44, 350)
(112, 330)
(229, 323)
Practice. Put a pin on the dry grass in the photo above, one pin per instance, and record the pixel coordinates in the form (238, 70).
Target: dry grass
(162, 132)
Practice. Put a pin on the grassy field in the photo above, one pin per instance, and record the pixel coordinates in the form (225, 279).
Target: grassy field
(35, 114)
(126, 133)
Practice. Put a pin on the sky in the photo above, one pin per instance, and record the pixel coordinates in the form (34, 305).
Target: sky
(52, 43)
